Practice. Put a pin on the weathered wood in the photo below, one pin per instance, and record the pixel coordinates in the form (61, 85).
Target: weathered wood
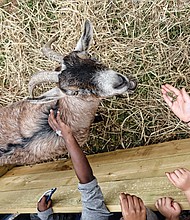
(5, 169)
(139, 171)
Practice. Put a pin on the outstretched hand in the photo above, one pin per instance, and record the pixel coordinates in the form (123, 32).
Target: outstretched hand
(178, 101)
(132, 207)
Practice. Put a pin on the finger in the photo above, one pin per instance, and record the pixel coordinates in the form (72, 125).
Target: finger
(58, 118)
(58, 115)
(173, 89)
(163, 201)
(130, 202)
(43, 200)
(51, 124)
(185, 95)
(124, 203)
(176, 206)
(185, 169)
(172, 178)
(51, 115)
(158, 203)
(179, 98)
(136, 203)
(177, 173)
(168, 202)
(165, 89)
(168, 100)
(52, 119)
(141, 203)
(182, 171)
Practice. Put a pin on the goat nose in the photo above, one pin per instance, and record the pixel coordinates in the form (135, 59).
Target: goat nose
(132, 84)
(121, 82)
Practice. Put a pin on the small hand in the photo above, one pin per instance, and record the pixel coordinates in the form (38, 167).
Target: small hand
(180, 178)
(42, 205)
(179, 103)
(58, 125)
(168, 208)
(132, 207)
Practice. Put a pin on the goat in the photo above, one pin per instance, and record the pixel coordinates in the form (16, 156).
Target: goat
(25, 135)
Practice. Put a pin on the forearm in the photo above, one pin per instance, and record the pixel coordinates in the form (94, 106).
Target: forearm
(81, 165)
(187, 194)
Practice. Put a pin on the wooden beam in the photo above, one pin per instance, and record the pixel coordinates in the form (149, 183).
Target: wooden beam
(139, 171)
(5, 169)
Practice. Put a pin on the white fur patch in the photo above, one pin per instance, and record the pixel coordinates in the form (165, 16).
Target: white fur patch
(106, 81)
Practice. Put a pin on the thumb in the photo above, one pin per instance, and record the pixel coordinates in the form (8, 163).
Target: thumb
(185, 95)
(176, 206)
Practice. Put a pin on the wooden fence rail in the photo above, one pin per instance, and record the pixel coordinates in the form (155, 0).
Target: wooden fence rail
(139, 171)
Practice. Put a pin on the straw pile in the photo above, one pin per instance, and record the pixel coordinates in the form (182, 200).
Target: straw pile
(147, 39)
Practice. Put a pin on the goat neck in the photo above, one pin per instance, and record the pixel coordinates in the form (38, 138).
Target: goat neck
(78, 113)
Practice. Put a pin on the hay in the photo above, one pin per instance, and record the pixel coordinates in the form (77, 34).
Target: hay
(147, 39)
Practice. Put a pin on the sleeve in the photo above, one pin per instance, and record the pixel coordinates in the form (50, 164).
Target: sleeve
(150, 215)
(93, 206)
(46, 215)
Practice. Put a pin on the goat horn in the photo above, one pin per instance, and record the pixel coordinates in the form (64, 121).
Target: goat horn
(40, 77)
(49, 53)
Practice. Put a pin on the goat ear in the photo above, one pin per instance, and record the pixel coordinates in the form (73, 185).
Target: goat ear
(49, 96)
(85, 40)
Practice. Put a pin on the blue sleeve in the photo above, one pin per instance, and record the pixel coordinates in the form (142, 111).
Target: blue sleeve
(93, 206)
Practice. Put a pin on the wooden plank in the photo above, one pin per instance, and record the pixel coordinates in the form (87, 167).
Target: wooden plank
(67, 198)
(5, 169)
(139, 171)
(104, 173)
(167, 149)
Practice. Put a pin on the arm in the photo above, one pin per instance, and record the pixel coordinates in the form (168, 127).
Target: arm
(181, 179)
(81, 165)
(91, 194)
(178, 101)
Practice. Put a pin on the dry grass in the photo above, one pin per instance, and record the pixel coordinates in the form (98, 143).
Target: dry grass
(149, 40)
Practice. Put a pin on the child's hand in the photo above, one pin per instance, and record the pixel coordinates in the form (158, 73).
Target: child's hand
(59, 126)
(42, 205)
(132, 207)
(168, 208)
(180, 178)
(178, 101)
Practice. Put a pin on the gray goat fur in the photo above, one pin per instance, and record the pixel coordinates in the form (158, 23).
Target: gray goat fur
(25, 135)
